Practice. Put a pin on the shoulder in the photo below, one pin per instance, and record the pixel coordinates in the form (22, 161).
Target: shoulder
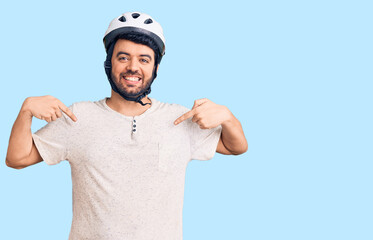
(86, 108)
(84, 105)
(170, 108)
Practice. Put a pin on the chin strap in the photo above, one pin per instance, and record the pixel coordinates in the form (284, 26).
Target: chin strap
(107, 66)
(144, 104)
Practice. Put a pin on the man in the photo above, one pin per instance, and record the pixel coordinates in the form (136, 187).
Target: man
(128, 153)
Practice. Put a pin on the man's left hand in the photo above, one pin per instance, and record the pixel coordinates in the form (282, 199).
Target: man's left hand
(206, 114)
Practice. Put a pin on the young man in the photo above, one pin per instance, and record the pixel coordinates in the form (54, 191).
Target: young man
(128, 153)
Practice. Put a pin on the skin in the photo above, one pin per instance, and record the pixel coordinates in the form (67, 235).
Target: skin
(21, 149)
(205, 113)
(208, 114)
(130, 60)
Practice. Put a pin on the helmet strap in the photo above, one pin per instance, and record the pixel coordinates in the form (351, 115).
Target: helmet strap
(108, 67)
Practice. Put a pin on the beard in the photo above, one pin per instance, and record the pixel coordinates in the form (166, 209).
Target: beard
(131, 91)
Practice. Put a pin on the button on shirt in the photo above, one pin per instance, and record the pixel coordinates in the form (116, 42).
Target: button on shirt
(128, 173)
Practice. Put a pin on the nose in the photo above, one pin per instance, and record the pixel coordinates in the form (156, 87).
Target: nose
(133, 65)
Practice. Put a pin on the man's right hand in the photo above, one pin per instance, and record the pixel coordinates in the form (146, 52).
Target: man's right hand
(46, 108)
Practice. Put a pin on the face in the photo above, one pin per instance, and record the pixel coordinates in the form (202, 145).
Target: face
(132, 67)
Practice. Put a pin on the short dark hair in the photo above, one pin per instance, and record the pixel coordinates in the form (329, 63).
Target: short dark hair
(141, 39)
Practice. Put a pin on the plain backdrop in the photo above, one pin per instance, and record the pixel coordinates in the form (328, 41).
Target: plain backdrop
(297, 74)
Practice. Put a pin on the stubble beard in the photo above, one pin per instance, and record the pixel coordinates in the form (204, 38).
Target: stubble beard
(131, 93)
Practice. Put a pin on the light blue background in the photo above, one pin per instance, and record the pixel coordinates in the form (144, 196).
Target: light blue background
(297, 74)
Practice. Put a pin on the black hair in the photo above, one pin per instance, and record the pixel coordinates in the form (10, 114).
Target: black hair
(141, 39)
(136, 38)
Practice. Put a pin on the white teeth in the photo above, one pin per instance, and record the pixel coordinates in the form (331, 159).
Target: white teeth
(132, 78)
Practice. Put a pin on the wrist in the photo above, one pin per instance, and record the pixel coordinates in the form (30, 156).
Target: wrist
(25, 109)
(229, 117)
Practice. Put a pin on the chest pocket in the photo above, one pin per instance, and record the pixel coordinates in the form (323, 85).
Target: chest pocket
(143, 158)
(173, 157)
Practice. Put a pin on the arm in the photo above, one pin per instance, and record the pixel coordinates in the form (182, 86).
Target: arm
(22, 151)
(210, 115)
(232, 139)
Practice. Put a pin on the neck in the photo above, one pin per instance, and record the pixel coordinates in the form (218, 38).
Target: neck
(125, 107)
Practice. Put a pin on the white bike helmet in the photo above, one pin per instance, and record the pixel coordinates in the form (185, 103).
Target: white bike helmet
(135, 22)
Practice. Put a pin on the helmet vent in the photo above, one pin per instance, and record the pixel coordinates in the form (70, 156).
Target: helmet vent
(148, 21)
(122, 19)
(135, 15)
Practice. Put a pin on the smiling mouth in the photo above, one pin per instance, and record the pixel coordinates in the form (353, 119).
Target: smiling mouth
(134, 80)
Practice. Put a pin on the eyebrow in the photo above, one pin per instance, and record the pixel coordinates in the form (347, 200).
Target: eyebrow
(142, 55)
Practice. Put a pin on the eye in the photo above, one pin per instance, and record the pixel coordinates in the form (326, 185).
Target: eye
(144, 60)
(122, 58)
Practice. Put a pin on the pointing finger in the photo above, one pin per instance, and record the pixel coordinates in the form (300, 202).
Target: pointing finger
(185, 116)
(191, 113)
(68, 112)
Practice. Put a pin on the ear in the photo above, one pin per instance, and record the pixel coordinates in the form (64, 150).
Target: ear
(157, 68)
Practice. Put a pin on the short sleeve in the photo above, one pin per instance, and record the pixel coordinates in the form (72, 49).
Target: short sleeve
(52, 140)
(203, 142)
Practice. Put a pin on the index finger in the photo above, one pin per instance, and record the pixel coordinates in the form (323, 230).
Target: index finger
(185, 116)
(67, 111)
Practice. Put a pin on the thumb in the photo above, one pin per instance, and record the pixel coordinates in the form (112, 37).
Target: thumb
(199, 102)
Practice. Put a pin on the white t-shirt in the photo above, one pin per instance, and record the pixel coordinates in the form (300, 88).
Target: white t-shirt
(128, 173)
